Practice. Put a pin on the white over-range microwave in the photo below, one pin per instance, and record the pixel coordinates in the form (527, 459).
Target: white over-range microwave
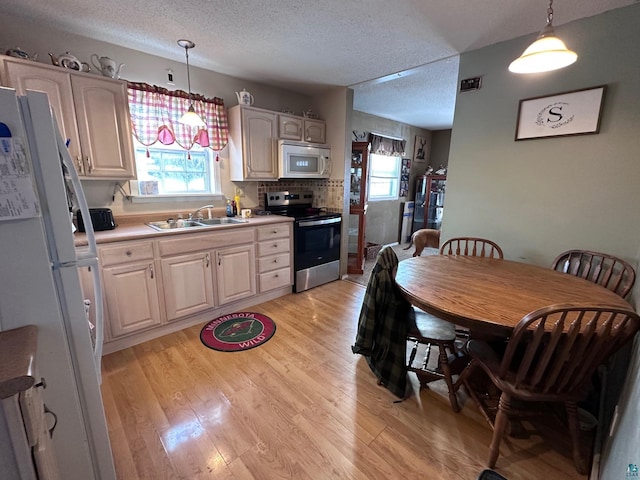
(303, 160)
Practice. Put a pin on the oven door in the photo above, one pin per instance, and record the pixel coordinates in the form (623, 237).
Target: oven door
(317, 241)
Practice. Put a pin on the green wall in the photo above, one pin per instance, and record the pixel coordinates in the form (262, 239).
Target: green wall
(537, 198)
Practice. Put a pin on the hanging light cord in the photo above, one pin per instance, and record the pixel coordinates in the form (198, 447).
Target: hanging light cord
(550, 13)
(186, 51)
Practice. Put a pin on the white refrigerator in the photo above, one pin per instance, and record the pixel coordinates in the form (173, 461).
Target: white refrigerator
(40, 283)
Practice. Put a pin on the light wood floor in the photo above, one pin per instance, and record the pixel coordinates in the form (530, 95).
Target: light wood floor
(301, 406)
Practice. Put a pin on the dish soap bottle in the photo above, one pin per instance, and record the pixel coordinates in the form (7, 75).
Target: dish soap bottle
(229, 208)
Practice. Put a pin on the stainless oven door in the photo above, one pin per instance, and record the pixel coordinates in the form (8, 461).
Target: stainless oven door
(317, 252)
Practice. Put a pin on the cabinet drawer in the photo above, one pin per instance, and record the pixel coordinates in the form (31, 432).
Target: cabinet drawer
(279, 245)
(276, 279)
(273, 262)
(195, 242)
(278, 230)
(126, 252)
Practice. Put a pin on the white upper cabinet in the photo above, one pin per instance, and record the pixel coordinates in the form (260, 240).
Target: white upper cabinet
(92, 113)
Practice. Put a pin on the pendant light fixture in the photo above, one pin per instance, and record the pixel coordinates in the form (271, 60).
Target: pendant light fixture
(547, 53)
(190, 118)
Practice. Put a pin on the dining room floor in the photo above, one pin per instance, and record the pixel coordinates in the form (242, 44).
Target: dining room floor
(300, 406)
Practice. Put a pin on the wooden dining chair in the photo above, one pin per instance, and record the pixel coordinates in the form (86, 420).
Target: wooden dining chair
(551, 357)
(606, 270)
(471, 246)
(426, 332)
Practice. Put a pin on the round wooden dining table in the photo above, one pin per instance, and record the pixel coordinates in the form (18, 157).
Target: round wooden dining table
(490, 296)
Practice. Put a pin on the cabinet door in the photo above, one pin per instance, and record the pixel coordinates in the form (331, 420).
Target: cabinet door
(105, 133)
(259, 133)
(314, 131)
(188, 284)
(235, 273)
(131, 298)
(290, 128)
(57, 85)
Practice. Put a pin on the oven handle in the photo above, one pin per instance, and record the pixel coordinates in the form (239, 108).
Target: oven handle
(325, 221)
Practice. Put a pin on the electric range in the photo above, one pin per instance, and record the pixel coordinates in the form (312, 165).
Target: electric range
(316, 238)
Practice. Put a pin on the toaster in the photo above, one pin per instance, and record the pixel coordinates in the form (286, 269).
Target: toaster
(101, 219)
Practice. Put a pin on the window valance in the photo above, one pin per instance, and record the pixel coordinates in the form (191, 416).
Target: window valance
(155, 112)
(386, 146)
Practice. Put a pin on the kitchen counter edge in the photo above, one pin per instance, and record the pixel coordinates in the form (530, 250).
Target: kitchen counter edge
(128, 231)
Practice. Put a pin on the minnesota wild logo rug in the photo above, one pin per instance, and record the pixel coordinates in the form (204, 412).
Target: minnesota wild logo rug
(237, 331)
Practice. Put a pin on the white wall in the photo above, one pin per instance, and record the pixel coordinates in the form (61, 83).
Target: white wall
(539, 197)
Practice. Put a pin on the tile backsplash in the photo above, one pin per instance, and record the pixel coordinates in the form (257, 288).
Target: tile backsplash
(326, 193)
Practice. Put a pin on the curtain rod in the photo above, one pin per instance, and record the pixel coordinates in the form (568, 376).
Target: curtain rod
(387, 136)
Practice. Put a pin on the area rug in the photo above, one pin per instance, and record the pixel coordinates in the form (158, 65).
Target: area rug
(237, 331)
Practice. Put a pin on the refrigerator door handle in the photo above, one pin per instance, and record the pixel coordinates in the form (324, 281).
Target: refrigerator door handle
(92, 251)
(99, 305)
(87, 257)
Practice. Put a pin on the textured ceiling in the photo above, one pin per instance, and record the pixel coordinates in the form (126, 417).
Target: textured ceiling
(307, 46)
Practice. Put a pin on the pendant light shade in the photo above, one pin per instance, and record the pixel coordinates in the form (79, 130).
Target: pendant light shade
(547, 53)
(190, 117)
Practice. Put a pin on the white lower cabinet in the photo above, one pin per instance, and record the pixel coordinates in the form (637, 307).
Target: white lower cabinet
(188, 284)
(274, 257)
(198, 275)
(131, 297)
(130, 287)
(235, 273)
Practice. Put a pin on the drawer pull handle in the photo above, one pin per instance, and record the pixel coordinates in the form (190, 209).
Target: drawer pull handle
(42, 383)
(275, 260)
(275, 231)
(207, 260)
(151, 270)
(129, 253)
(275, 245)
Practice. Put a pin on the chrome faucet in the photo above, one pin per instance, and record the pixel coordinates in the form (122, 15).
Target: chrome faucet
(197, 213)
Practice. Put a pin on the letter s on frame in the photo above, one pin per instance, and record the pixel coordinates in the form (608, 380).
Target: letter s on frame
(553, 111)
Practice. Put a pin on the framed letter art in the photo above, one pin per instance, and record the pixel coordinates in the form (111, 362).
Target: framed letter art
(570, 113)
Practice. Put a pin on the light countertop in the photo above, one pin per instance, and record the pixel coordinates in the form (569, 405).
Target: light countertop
(128, 230)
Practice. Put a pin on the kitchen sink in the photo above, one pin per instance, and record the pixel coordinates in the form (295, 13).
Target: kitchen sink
(220, 221)
(188, 224)
(174, 225)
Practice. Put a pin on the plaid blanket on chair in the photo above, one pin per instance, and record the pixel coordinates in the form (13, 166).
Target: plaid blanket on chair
(382, 325)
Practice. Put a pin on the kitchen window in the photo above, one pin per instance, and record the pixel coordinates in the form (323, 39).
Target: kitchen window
(173, 159)
(171, 170)
(384, 175)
